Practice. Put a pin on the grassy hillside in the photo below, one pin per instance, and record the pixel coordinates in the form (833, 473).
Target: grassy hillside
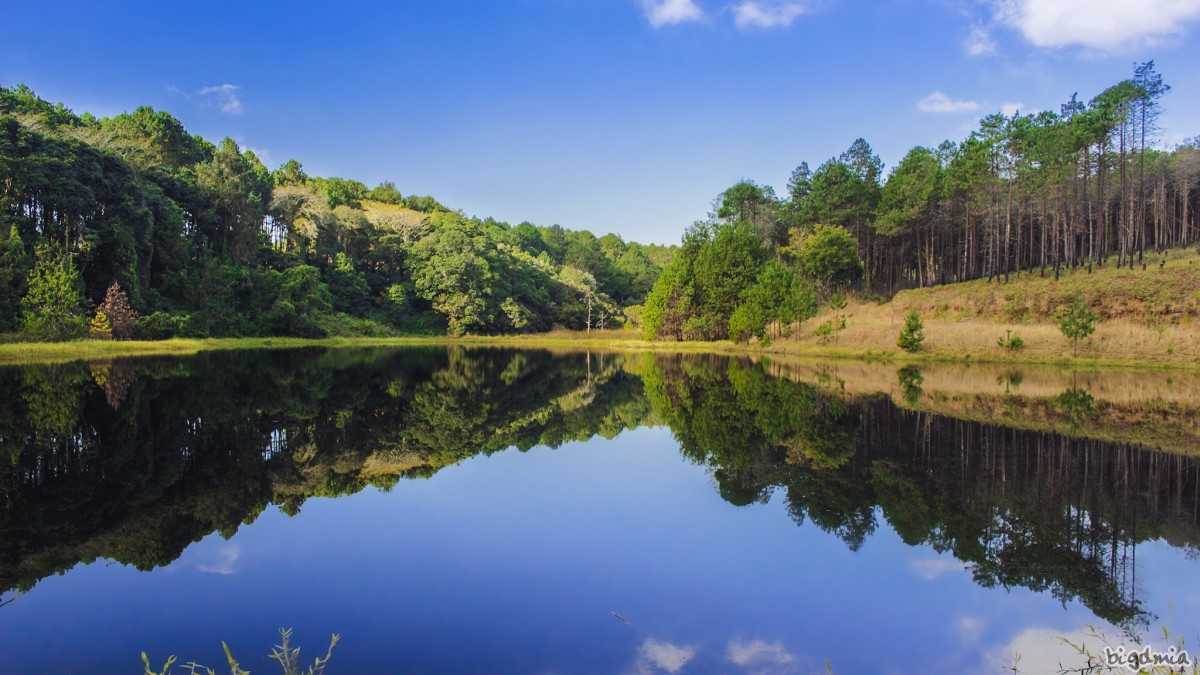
(1149, 316)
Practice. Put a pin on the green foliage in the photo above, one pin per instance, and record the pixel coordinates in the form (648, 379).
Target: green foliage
(348, 286)
(15, 265)
(300, 301)
(396, 302)
(1011, 341)
(387, 193)
(203, 233)
(54, 306)
(746, 321)
(827, 331)
(828, 255)
(912, 335)
(99, 327)
(705, 283)
(284, 654)
(161, 326)
(911, 383)
(1077, 321)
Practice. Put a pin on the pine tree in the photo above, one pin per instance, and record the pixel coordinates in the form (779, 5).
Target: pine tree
(912, 336)
(119, 314)
(1077, 321)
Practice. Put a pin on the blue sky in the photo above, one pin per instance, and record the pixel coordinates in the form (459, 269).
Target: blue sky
(626, 116)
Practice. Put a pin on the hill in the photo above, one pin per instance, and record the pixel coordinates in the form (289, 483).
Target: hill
(1150, 315)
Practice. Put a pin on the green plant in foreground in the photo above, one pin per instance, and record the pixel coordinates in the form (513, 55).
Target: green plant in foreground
(1077, 321)
(1098, 663)
(287, 656)
(912, 336)
(1011, 341)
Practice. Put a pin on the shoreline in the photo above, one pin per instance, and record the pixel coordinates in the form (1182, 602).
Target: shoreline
(34, 353)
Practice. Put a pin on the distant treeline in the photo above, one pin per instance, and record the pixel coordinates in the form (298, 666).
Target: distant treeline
(1085, 186)
(204, 240)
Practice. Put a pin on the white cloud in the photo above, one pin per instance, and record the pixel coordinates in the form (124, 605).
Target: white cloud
(1010, 109)
(667, 12)
(767, 13)
(979, 42)
(224, 96)
(932, 568)
(969, 628)
(222, 562)
(263, 154)
(760, 655)
(937, 102)
(1098, 24)
(657, 656)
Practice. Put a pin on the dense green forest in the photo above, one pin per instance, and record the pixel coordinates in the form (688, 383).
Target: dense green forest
(1034, 193)
(204, 240)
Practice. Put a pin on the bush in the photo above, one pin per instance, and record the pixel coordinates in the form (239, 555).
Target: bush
(1011, 341)
(99, 328)
(161, 326)
(912, 336)
(827, 331)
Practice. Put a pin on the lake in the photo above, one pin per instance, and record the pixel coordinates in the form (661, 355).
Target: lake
(495, 510)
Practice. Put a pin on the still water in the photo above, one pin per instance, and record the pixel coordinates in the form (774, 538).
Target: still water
(480, 511)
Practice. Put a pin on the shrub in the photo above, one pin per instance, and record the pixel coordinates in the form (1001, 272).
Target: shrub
(1011, 341)
(99, 328)
(912, 336)
(161, 326)
(1077, 321)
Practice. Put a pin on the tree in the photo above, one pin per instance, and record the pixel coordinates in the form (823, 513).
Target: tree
(120, 316)
(54, 306)
(387, 193)
(828, 255)
(15, 265)
(754, 204)
(99, 328)
(912, 336)
(449, 270)
(1077, 321)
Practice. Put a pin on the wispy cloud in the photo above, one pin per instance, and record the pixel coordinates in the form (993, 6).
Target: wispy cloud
(224, 96)
(1098, 24)
(979, 42)
(767, 13)
(668, 12)
(937, 102)
(263, 154)
(969, 628)
(932, 568)
(223, 561)
(1010, 109)
(760, 656)
(655, 656)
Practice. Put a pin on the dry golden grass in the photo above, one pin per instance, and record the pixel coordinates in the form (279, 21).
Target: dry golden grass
(1150, 318)
(1117, 386)
(873, 328)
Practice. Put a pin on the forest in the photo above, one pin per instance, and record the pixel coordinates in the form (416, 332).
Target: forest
(130, 227)
(1089, 185)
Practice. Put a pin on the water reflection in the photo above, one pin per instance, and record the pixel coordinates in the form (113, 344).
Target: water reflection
(133, 461)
